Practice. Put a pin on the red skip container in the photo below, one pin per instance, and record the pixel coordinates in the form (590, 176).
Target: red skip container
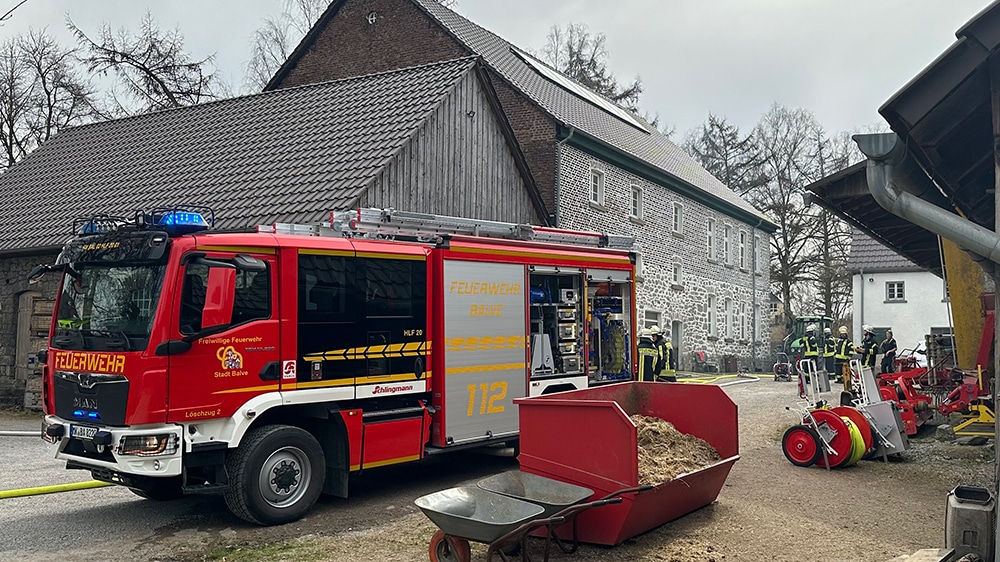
(585, 437)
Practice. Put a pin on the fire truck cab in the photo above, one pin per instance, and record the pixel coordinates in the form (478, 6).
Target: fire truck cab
(270, 365)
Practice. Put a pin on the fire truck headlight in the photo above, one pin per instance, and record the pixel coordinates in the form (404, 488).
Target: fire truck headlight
(52, 432)
(148, 445)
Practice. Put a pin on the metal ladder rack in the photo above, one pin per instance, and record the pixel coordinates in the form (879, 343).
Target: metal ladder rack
(389, 223)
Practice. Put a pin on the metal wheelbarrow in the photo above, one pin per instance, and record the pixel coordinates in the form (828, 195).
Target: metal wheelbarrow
(560, 500)
(502, 512)
(467, 513)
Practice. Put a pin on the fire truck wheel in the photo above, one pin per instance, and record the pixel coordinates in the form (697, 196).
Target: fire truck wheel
(275, 475)
(160, 489)
(446, 548)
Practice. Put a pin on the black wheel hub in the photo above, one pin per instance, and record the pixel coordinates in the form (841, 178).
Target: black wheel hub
(285, 476)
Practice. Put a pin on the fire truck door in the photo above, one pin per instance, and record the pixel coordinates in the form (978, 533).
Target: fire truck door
(485, 367)
(222, 371)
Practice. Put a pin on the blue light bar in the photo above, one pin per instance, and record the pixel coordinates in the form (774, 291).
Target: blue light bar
(87, 414)
(179, 222)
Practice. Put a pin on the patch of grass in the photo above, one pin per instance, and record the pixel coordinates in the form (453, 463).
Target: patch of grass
(304, 550)
(19, 414)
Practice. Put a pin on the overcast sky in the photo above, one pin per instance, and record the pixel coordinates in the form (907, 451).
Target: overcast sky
(840, 59)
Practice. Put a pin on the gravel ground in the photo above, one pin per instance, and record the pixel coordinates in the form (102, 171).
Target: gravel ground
(768, 509)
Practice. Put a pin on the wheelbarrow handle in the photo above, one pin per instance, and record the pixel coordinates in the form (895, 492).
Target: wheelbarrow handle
(643, 488)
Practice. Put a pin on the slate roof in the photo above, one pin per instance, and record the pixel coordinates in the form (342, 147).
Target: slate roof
(291, 155)
(871, 255)
(647, 146)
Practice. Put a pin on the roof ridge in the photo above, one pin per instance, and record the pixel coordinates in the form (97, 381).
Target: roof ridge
(471, 60)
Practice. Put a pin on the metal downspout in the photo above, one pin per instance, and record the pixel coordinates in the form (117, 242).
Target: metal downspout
(862, 319)
(753, 298)
(901, 187)
(555, 212)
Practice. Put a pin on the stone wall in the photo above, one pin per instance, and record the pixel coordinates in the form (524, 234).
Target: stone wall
(660, 248)
(15, 376)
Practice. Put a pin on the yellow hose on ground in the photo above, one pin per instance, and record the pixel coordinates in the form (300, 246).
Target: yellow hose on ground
(4, 494)
(857, 442)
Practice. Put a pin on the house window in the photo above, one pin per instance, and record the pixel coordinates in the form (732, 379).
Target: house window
(729, 317)
(774, 308)
(710, 232)
(743, 320)
(743, 250)
(894, 291)
(711, 316)
(676, 272)
(636, 202)
(726, 249)
(596, 186)
(758, 254)
(651, 318)
(678, 226)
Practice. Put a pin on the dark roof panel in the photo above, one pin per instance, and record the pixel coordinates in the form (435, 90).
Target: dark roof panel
(290, 155)
(871, 255)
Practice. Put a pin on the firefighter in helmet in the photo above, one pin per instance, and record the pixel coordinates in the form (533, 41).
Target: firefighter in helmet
(668, 364)
(649, 357)
(829, 349)
(842, 358)
(810, 345)
(868, 348)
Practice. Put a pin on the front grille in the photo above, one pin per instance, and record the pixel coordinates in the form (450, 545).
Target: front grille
(107, 395)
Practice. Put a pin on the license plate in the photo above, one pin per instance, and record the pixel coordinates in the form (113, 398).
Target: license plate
(82, 431)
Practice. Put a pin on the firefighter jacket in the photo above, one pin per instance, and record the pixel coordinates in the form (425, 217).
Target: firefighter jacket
(845, 348)
(810, 347)
(668, 363)
(649, 360)
(830, 349)
(868, 351)
(888, 347)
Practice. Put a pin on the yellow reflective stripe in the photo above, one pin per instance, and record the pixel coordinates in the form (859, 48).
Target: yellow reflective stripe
(411, 257)
(410, 377)
(483, 368)
(314, 252)
(249, 249)
(392, 461)
(411, 349)
(325, 384)
(522, 254)
(264, 388)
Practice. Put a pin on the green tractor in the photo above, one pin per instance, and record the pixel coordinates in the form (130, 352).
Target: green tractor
(791, 346)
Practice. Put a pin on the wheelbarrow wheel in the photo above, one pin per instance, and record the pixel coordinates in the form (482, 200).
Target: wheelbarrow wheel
(801, 445)
(446, 548)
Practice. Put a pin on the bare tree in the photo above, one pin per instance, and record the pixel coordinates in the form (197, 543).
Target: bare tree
(152, 66)
(729, 156)
(41, 92)
(272, 43)
(583, 56)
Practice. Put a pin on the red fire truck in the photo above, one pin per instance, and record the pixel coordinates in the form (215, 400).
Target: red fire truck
(270, 365)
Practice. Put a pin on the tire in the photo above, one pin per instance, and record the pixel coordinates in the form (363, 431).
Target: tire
(801, 445)
(160, 489)
(446, 548)
(275, 475)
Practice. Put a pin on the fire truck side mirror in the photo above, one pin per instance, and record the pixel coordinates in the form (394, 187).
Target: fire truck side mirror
(219, 295)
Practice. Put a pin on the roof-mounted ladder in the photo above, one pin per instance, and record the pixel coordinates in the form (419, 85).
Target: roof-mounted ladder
(389, 223)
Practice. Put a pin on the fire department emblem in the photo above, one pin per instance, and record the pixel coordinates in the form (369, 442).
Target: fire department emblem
(230, 358)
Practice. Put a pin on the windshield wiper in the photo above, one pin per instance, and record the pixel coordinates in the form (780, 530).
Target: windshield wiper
(125, 343)
(67, 337)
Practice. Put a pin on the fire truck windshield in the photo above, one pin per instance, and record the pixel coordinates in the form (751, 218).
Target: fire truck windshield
(107, 306)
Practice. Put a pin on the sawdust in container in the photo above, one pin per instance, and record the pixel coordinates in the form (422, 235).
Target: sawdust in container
(665, 452)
